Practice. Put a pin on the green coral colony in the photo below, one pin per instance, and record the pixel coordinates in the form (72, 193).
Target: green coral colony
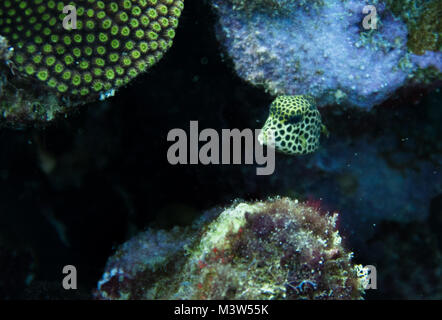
(295, 123)
(114, 41)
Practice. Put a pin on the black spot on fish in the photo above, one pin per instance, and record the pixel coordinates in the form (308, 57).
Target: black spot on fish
(295, 119)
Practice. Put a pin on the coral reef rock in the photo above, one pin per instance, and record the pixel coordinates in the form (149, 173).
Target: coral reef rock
(322, 48)
(274, 249)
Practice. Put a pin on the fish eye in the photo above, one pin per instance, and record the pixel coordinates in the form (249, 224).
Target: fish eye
(294, 119)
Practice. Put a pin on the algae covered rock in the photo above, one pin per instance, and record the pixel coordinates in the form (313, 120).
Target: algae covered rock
(274, 249)
(423, 21)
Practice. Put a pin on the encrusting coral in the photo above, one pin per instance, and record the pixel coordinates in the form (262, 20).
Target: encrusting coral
(323, 49)
(274, 249)
(114, 41)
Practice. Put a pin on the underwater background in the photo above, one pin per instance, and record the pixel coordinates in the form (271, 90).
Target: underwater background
(75, 188)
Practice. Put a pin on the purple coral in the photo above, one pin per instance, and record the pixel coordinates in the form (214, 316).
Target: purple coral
(319, 48)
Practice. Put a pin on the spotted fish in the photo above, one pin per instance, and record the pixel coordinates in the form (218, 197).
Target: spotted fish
(295, 123)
